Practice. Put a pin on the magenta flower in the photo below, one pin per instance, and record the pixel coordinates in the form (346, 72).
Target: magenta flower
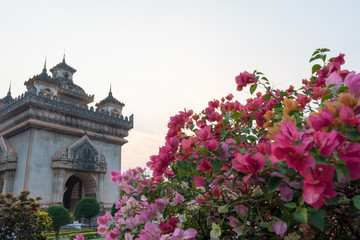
(347, 116)
(236, 227)
(318, 183)
(324, 120)
(280, 227)
(248, 164)
(180, 234)
(327, 141)
(199, 181)
(244, 79)
(79, 237)
(204, 133)
(212, 144)
(352, 156)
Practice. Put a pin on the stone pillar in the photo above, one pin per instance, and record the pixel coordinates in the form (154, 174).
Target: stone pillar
(57, 190)
(100, 188)
(8, 181)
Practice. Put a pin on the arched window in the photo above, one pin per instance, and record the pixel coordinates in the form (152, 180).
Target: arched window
(47, 92)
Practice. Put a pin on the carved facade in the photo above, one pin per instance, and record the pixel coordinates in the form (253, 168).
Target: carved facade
(56, 146)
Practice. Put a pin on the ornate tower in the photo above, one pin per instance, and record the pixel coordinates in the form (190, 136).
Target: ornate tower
(56, 146)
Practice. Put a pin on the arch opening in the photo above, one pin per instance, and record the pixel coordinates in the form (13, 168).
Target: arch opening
(77, 186)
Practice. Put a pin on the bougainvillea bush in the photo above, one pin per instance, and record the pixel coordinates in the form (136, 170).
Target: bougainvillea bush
(284, 164)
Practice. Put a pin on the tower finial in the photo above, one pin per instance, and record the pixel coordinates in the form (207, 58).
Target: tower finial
(110, 87)
(45, 63)
(64, 56)
(10, 87)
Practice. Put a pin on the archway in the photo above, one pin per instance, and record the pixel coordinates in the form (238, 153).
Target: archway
(77, 186)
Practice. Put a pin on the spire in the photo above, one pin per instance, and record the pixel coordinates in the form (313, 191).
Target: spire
(10, 87)
(110, 87)
(44, 71)
(9, 92)
(64, 56)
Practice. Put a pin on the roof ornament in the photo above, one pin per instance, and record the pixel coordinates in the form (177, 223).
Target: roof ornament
(45, 63)
(10, 87)
(110, 87)
(64, 57)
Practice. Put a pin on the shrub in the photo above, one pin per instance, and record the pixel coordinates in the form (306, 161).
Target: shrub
(60, 216)
(20, 217)
(87, 207)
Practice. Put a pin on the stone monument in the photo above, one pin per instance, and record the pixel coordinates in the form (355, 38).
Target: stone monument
(56, 146)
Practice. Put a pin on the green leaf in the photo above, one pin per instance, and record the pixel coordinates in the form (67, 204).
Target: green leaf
(324, 50)
(252, 138)
(267, 97)
(253, 88)
(265, 224)
(245, 130)
(224, 133)
(345, 171)
(301, 215)
(318, 219)
(216, 164)
(316, 52)
(242, 150)
(274, 183)
(326, 97)
(223, 209)
(283, 94)
(315, 57)
(332, 201)
(315, 67)
(290, 205)
(356, 201)
(182, 164)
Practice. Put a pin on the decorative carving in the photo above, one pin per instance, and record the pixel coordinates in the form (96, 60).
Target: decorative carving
(80, 155)
(8, 155)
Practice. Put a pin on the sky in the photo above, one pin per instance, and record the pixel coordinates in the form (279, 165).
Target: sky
(163, 56)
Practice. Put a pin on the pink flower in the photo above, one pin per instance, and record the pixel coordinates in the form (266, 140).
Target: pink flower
(204, 133)
(303, 99)
(188, 144)
(79, 237)
(352, 80)
(352, 156)
(199, 181)
(327, 141)
(214, 104)
(229, 97)
(248, 164)
(204, 165)
(244, 79)
(180, 234)
(286, 193)
(178, 199)
(169, 226)
(318, 183)
(234, 223)
(324, 120)
(212, 144)
(280, 227)
(347, 116)
(102, 229)
(243, 210)
(334, 78)
(172, 143)
(104, 219)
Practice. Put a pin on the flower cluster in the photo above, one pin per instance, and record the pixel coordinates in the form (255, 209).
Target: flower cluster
(285, 163)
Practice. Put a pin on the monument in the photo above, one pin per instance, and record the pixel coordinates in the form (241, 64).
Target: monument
(56, 146)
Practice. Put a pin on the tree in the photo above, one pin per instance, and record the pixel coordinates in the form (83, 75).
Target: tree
(283, 165)
(20, 217)
(87, 207)
(60, 216)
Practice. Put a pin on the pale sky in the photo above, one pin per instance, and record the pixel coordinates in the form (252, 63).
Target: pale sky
(164, 56)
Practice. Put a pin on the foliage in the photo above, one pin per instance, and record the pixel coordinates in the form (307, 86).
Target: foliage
(113, 210)
(285, 164)
(20, 217)
(60, 216)
(87, 207)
